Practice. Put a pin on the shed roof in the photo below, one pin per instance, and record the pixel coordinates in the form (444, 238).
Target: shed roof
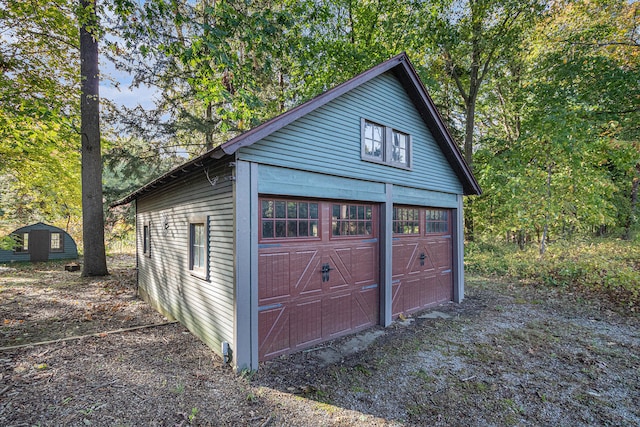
(406, 74)
(38, 226)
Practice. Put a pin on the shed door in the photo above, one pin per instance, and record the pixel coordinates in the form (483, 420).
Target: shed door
(39, 241)
(318, 272)
(422, 258)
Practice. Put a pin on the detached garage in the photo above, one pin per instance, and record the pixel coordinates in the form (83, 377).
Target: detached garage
(335, 216)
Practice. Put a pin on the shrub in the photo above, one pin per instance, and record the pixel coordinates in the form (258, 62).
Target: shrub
(610, 268)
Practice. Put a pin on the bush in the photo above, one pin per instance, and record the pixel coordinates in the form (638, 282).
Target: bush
(610, 268)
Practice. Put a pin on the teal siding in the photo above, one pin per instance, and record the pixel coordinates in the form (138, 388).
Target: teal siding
(9, 256)
(204, 306)
(419, 197)
(327, 140)
(292, 182)
(70, 249)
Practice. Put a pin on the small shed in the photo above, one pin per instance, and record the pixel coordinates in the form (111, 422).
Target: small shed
(338, 215)
(40, 242)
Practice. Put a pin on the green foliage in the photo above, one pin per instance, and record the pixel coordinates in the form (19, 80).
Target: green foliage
(39, 158)
(129, 163)
(217, 67)
(334, 40)
(8, 242)
(547, 95)
(565, 156)
(607, 267)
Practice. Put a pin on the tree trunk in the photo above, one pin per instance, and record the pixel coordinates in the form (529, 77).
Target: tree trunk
(208, 136)
(208, 114)
(470, 118)
(545, 230)
(95, 261)
(634, 204)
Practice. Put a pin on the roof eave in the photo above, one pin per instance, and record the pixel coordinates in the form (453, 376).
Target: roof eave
(175, 173)
(427, 109)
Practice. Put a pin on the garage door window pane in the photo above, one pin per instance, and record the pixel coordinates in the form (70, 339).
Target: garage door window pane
(292, 210)
(437, 221)
(292, 228)
(303, 229)
(351, 220)
(406, 221)
(303, 210)
(288, 219)
(267, 209)
(267, 229)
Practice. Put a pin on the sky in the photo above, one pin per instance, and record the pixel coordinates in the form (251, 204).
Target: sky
(123, 95)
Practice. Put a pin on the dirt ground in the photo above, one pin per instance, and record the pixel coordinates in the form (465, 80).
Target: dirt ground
(508, 355)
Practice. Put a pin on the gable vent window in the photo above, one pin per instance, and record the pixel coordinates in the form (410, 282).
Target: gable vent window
(382, 144)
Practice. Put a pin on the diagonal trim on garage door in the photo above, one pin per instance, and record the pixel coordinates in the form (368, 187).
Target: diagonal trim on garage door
(422, 258)
(318, 272)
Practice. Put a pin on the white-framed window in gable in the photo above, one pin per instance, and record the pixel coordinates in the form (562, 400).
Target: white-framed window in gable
(372, 141)
(400, 148)
(199, 247)
(383, 144)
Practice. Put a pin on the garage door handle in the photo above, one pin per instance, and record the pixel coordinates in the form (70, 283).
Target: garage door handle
(326, 268)
(422, 257)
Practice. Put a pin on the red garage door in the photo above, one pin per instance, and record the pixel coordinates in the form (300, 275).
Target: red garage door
(318, 272)
(422, 258)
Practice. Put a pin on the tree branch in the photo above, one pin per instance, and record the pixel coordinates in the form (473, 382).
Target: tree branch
(456, 78)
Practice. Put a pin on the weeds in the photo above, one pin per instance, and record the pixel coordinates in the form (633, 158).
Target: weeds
(609, 268)
(179, 388)
(192, 416)
(424, 376)
(247, 374)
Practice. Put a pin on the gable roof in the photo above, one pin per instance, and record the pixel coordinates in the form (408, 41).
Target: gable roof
(406, 74)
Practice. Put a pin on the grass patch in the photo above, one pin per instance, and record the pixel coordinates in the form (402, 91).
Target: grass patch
(606, 267)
